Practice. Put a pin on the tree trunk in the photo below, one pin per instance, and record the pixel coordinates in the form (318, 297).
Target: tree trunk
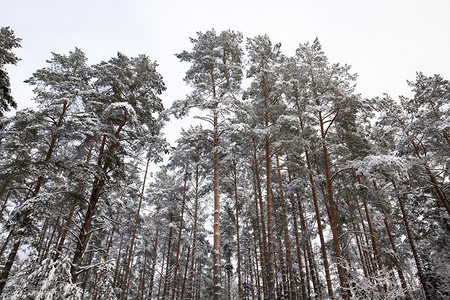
(358, 243)
(290, 268)
(236, 204)
(394, 248)
(250, 286)
(317, 214)
(333, 216)
(261, 223)
(5, 244)
(154, 258)
(180, 230)
(116, 272)
(185, 272)
(168, 264)
(412, 243)
(299, 252)
(9, 264)
(217, 272)
(49, 243)
(51, 148)
(194, 239)
(133, 236)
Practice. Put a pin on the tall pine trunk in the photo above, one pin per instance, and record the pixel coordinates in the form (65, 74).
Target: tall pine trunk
(317, 213)
(333, 216)
(180, 230)
(133, 236)
(412, 243)
(236, 203)
(290, 268)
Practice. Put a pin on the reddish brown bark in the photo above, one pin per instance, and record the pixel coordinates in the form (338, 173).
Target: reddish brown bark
(333, 215)
(236, 204)
(133, 236)
(287, 241)
(180, 230)
(412, 243)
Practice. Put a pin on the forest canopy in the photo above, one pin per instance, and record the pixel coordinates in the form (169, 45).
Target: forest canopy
(291, 186)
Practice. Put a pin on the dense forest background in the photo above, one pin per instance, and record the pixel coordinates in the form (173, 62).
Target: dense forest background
(291, 186)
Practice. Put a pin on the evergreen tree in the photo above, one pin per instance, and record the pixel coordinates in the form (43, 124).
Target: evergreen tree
(215, 76)
(8, 41)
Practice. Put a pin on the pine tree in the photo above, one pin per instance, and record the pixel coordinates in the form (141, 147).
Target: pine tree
(215, 75)
(8, 41)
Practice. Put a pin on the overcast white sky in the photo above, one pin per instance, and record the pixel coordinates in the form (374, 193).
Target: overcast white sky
(385, 41)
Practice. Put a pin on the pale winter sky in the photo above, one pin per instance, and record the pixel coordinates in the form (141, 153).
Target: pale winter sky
(385, 41)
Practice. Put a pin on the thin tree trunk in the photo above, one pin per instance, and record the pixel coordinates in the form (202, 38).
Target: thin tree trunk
(180, 230)
(133, 236)
(317, 211)
(9, 264)
(369, 259)
(372, 234)
(318, 220)
(47, 250)
(271, 258)
(5, 244)
(105, 257)
(297, 246)
(237, 231)
(412, 243)
(5, 202)
(249, 255)
(358, 243)
(261, 223)
(116, 272)
(281, 254)
(42, 238)
(161, 278)
(143, 272)
(258, 281)
(185, 272)
(126, 281)
(168, 263)
(51, 148)
(154, 258)
(290, 268)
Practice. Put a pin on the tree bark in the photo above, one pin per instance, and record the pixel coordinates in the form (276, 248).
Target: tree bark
(261, 223)
(271, 259)
(217, 263)
(317, 214)
(154, 258)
